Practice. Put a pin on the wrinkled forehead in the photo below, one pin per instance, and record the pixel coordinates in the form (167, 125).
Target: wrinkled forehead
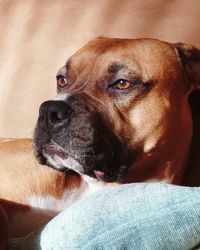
(148, 56)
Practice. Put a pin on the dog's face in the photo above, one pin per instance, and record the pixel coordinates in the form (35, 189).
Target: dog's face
(122, 107)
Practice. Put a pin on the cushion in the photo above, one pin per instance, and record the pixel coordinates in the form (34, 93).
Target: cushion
(133, 216)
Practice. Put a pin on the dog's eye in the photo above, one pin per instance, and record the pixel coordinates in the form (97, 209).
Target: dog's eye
(61, 81)
(122, 84)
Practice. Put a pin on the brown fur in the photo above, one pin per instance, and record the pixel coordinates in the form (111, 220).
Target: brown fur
(164, 109)
(22, 177)
(40, 178)
(165, 130)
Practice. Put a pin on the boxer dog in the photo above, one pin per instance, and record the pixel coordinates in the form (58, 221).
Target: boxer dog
(127, 110)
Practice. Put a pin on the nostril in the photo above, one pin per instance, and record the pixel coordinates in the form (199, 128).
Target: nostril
(54, 117)
(59, 115)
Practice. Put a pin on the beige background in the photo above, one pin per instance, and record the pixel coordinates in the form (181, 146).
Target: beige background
(38, 36)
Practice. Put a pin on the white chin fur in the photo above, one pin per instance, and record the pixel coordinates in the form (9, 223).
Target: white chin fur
(59, 163)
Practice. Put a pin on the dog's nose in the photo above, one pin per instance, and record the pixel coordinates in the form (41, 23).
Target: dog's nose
(55, 111)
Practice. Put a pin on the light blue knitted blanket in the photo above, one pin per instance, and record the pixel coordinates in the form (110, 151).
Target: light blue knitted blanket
(134, 216)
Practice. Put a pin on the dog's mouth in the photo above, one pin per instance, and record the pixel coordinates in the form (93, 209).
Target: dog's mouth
(54, 156)
(101, 175)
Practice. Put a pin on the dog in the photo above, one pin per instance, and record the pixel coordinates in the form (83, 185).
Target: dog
(127, 110)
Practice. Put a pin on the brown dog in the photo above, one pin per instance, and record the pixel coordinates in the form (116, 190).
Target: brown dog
(126, 111)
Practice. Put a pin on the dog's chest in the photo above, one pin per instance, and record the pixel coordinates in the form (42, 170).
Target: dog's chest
(87, 187)
(58, 204)
(42, 208)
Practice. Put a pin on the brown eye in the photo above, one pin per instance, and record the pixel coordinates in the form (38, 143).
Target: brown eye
(61, 81)
(122, 84)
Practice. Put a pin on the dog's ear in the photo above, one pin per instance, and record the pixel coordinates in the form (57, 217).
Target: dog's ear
(190, 60)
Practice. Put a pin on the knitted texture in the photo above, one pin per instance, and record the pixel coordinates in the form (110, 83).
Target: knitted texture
(144, 216)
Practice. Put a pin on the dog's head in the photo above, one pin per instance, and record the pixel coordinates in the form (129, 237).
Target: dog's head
(122, 111)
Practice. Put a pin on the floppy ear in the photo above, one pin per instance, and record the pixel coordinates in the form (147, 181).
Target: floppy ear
(190, 59)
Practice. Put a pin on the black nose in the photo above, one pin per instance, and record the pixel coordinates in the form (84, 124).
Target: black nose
(55, 111)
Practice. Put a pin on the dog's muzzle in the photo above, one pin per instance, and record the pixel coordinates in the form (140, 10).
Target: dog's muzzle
(74, 134)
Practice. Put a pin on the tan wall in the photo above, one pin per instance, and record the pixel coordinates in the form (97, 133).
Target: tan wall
(38, 36)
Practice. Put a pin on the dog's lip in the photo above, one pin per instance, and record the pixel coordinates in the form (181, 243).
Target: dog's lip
(54, 149)
(100, 175)
(104, 176)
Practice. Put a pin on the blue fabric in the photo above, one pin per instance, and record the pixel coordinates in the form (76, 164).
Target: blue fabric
(135, 216)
